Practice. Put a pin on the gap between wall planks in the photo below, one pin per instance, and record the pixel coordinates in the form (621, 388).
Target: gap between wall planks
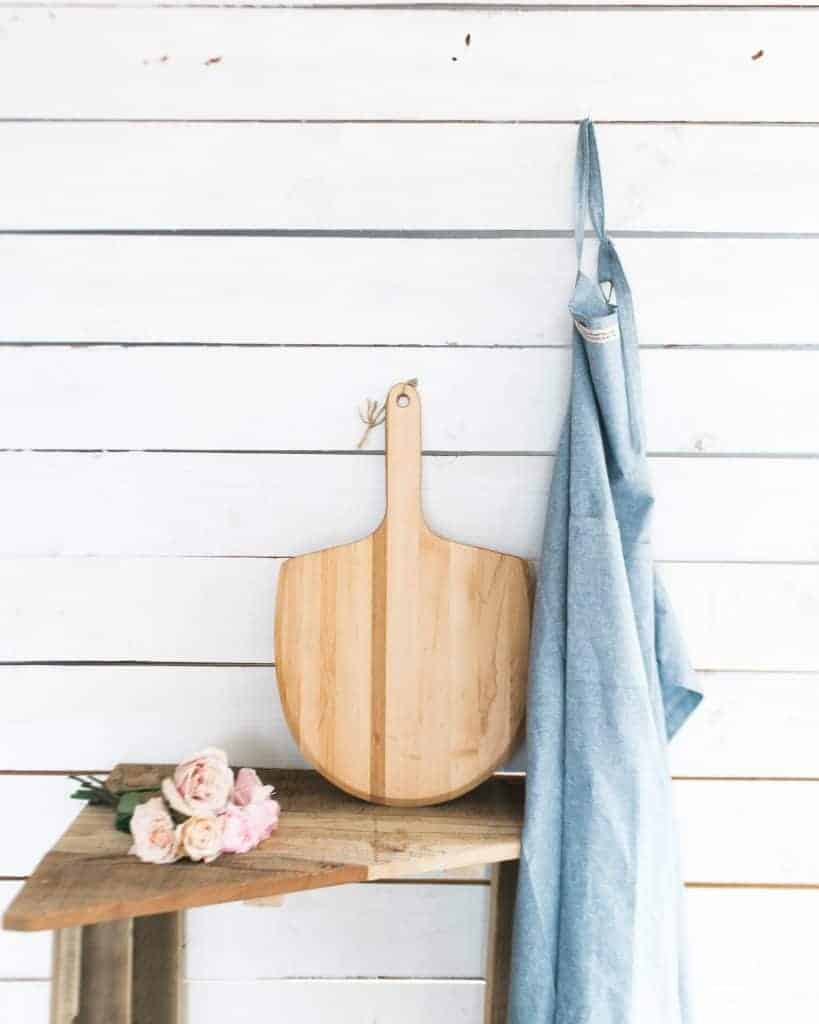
(486, 292)
(432, 177)
(398, 64)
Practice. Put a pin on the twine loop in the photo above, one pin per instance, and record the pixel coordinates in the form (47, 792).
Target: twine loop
(372, 414)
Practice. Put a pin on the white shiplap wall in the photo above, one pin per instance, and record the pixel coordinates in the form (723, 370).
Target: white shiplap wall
(207, 265)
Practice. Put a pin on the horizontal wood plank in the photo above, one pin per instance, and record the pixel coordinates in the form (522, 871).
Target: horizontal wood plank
(216, 610)
(751, 956)
(777, 988)
(732, 832)
(25, 1000)
(750, 998)
(311, 1001)
(401, 176)
(184, 504)
(467, 5)
(325, 838)
(57, 718)
(391, 291)
(344, 1002)
(25, 956)
(229, 399)
(425, 946)
(273, 63)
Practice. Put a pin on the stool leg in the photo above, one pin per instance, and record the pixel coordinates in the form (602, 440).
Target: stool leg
(157, 995)
(65, 975)
(499, 944)
(105, 975)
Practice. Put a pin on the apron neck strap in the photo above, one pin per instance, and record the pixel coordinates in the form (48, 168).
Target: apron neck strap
(588, 188)
(589, 204)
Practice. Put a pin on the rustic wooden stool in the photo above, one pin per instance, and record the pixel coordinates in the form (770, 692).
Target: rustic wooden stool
(118, 922)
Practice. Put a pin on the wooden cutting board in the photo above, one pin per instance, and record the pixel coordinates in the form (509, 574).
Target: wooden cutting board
(402, 658)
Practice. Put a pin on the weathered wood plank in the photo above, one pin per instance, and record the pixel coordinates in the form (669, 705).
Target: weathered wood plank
(499, 942)
(324, 838)
(66, 970)
(269, 399)
(455, 291)
(58, 717)
(106, 973)
(736, 616)
(305, 64)
(158, 968)
(402, 176)
(740, 832)
(151, 505)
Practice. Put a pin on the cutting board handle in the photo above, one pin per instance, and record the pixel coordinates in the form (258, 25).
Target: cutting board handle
(404, 454)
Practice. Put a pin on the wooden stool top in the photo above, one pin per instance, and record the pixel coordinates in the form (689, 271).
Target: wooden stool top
(324, 838)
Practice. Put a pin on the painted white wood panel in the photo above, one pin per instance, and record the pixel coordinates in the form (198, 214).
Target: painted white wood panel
(23, 955)
(201, 610)
(389, 291)
(753, 725)
(741, 832)
(313, 1001)
(342, 1002)
(58, 717)
(182, 504)
(24, 1001)
(773, 994)
(760, 997)
(748, 831)
(466, 4)
(753, 956)
(306, 64)
(408, 176)
(735, 616)
(424, 931)
(308, 398)
(756, 1000)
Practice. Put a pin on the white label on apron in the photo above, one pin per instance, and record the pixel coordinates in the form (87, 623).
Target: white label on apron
(598, 332)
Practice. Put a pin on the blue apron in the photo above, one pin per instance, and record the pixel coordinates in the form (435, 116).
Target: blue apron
(598, 935)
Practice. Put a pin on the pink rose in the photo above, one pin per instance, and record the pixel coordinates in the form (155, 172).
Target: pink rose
(239, 835)
(156, 841)
(201, 838)
(245, 827)
(249, 789)
(201, 785)
(265, 817)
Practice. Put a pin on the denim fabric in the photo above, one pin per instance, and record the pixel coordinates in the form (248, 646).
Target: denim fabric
(599, 935)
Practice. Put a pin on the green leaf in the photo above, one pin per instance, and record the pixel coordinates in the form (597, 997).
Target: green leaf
(128, 802)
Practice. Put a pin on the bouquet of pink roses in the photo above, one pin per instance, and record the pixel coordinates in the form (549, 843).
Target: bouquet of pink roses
(201, 811)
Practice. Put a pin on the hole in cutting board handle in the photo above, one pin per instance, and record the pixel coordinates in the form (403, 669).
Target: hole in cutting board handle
(403, 400)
